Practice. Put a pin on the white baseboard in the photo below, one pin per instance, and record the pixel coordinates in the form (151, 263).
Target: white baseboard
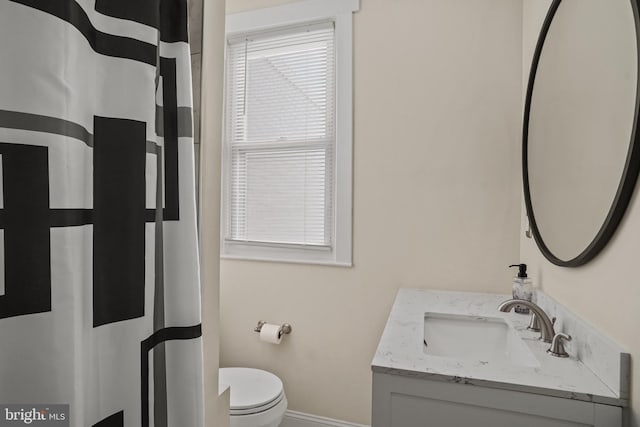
(300, 419)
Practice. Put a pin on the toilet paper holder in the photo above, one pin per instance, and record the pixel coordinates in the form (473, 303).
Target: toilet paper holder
(285, 328)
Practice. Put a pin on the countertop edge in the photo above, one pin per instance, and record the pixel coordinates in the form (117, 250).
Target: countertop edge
(565, 394)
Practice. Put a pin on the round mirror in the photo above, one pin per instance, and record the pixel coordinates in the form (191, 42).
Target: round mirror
(580, 145)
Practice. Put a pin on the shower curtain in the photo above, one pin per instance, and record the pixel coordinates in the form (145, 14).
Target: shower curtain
(99, 273)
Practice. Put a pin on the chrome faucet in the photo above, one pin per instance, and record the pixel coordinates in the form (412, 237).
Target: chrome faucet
(546, 325)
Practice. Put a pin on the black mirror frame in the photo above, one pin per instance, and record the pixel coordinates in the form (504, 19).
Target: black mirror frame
(629, 175)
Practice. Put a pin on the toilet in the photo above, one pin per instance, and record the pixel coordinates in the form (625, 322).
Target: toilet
(257, 397)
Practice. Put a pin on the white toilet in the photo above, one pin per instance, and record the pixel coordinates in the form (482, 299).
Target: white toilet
(257, 397)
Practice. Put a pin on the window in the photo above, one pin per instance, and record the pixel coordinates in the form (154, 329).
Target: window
(287, 153)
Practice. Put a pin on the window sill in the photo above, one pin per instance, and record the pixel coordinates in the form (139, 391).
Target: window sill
(286, 261)
(286, 254)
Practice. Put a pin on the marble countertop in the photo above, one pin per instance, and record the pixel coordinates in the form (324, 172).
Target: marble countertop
(400, 351)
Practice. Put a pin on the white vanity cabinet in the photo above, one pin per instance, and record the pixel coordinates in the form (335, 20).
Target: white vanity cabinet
(404, 401)
(453, 359)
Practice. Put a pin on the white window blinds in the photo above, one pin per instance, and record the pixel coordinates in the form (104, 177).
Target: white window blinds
(280, 137)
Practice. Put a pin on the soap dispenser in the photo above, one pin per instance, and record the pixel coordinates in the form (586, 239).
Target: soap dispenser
(522, 288)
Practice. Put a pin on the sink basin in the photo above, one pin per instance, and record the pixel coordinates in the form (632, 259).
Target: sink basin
(489, 340)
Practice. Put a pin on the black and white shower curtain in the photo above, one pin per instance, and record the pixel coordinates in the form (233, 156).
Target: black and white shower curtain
(99, 274)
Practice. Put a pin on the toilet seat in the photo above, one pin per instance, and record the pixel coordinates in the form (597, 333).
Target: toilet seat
(258, 409)
(252, 390)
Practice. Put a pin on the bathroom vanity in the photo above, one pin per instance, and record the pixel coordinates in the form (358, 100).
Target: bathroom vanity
(453, 359)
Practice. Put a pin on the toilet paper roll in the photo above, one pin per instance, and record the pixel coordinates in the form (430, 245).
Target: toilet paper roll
(270, 333)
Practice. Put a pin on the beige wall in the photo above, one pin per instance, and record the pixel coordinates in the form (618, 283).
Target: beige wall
(436, 197)
(605, 292)
(216, 408)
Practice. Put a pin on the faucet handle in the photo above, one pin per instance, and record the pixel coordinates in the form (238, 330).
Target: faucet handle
(534, 325)
(557, 346)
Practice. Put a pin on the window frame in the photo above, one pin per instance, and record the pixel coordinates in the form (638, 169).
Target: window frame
(291, 15)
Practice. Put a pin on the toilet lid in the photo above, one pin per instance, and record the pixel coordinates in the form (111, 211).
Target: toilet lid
(250, 388)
